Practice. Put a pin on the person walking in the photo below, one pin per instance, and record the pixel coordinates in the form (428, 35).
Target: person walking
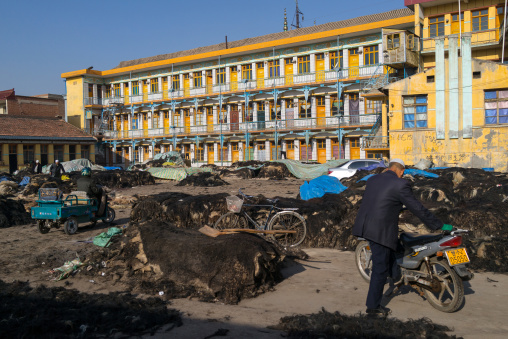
(37, 167)
(377, 221)
(56, 169)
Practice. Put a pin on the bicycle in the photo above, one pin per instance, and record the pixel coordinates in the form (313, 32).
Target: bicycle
(278, 219)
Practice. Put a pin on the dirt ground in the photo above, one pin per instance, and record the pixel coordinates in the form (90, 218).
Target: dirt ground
(328, 279)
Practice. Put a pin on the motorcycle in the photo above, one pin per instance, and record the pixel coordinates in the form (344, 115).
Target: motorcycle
(434, 264)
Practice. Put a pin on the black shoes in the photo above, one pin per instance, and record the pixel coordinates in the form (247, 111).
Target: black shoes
(380, 311)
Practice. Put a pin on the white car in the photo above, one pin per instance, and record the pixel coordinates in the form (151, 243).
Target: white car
(349, 168)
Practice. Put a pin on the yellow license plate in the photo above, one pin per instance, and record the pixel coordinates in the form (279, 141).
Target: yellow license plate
(457, 256)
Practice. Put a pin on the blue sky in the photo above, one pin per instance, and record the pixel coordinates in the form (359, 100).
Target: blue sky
(42, 39)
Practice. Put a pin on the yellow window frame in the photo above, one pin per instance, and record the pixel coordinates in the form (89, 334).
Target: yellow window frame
(247, 71)
(304, 64)
(154, 85)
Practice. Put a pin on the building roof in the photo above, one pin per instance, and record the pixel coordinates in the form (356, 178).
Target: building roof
(36, 128)
(403, 12)
(7, 94)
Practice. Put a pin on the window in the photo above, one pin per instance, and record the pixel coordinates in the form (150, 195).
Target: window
(304, 64)
(135, 121)
(223, 116)
(176, 119)
(58, 151)
(249, 116)
(200, 154)
(411, 41)
(197, 79)
(393, 41)
(477, 75)
(176, 82)
(376, 155)
(337, 107)
(320, 56)
(500, 16)
(85, 151)
(289, 103)
(320, 101)
(333, 60)
(221, 76)
(247, 72)
(28, 153)
(274, 68)
(261, 106)
(457, 25)
(496, 107)
(199, 117)
(415, 111)
(480, 20)
(116, 88)
(135, 88)
(272, 111)
(321, 143)
(156, 120)
(90, 91)
(154, 85)
(431, 78)
(290, 144)
(436, 26)
(72, 152)
(305, 111)
(209, 111)
(108, 92)
(261, 146)
(371, 55)
(373, 106)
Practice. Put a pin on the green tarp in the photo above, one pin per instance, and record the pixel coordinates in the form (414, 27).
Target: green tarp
(310, 171)
(176, 173)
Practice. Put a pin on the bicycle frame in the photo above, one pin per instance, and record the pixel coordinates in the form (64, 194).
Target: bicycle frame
(270, 214)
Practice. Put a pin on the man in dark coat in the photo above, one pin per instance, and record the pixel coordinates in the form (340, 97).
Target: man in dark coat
(378, 220)
(37, 167)
(56, 169)
(86, 184)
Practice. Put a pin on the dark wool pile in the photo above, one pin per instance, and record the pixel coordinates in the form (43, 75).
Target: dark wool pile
(12, 212)
(202, 179)
(275, 171)
(66, 313)
(182, 262)
(335, 325)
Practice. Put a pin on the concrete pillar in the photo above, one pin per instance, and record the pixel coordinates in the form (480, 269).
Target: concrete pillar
(283, 109)
(328, 149)
(312, 62)
(297, 149)
(254, 71)
(181, 80)
(37, 151)
(215, 152)
(282, 65)
(19, 151)
(78, 151)
(214, 76)
(314, 149)
(267, 150)
(66, 152)
(327, 61)
(254, 113)
(313, 107)
(360, 57)
(92, 153)
(51, 154)
(345, 58)
(228, 72)
(328, 110)
(215, 117)
(266, 70)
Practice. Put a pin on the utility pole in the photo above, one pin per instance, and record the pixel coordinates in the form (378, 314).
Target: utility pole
(297, 14)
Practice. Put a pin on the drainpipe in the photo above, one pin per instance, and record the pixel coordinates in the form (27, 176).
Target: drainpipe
(460, 30)
(504, 33)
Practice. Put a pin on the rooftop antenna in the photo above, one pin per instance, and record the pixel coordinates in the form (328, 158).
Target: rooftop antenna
(297, 14)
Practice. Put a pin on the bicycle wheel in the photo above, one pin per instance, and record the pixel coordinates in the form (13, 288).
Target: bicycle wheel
(231, 220)
(288, 221)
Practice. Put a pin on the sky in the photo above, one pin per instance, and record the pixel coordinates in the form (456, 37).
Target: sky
(43, 39)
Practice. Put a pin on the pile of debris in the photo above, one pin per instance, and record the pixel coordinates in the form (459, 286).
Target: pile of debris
(61, 313)
(156, 256)
(336, 325)
(203, 179)
(12, 212)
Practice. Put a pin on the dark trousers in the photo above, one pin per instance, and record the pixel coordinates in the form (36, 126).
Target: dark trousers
(383, 261)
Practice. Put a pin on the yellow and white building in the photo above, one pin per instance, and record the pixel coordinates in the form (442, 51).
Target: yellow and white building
(260, 98)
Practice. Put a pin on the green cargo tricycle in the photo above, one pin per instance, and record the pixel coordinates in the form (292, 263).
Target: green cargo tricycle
(53, 210)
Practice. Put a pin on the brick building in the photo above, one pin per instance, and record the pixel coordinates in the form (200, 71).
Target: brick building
(45, 105)
(24, 139)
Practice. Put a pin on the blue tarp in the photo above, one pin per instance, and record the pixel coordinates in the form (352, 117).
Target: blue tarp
(365, 178)
(5, 179)
(438, 168)
(110, 168)
(371, 167)
(413, 172)
(25, 181)
(319, 186)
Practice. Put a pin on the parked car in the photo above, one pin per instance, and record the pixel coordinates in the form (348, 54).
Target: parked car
(349, 168)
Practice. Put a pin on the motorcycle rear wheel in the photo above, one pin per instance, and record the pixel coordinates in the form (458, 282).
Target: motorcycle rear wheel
(451, 296)
(363, 259)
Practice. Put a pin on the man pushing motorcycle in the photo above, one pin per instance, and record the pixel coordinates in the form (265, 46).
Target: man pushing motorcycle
(377, 221)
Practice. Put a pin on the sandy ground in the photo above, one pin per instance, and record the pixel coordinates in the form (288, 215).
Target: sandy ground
(328, 280)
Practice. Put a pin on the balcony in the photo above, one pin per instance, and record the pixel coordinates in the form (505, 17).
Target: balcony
(282, 126)
(320, 77)
(486, 37)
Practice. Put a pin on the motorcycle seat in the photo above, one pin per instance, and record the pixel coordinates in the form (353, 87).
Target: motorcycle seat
(414, 239)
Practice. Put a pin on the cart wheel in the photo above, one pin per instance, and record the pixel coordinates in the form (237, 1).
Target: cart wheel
(43, 226)
(110, 216)
(71, 225)
(93, 222)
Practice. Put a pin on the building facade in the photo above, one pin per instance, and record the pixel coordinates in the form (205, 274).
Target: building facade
(306, 94)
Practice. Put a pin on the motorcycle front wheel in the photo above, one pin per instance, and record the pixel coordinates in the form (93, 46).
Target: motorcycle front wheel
(363, 259)
(450, 296)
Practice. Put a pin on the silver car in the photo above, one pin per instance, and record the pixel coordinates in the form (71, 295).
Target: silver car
(349, 168)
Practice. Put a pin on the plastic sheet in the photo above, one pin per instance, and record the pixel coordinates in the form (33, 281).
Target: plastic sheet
(310, 171)
(425, 174)
(318, 187)
(381, 163)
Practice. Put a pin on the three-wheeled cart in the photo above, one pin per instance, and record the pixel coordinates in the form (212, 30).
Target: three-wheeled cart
(53, 211)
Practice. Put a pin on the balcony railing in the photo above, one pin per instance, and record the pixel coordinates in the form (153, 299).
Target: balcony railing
(347, 74)
(485, 37)
(375, 142)
(282, 126)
